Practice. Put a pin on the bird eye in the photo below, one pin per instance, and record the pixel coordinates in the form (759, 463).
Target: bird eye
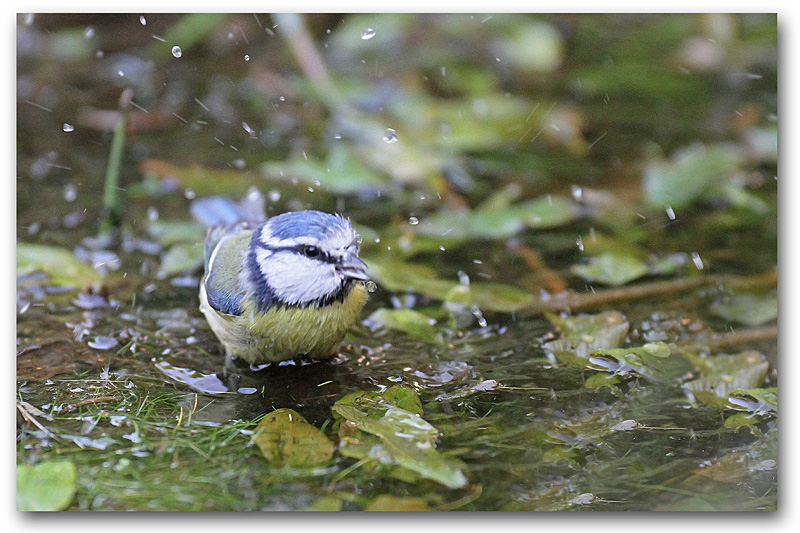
(311, 251)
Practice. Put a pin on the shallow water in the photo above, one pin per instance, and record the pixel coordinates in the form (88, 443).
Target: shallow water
(125, 379)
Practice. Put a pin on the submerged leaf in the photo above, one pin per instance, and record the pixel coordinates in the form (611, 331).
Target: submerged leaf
(749, 308)
(387, 502)
(181, 258)
(286, 439)
(411, 322)
(722, 375)
(387, 427)
(584, 334)
(492, 221)
(403, 439)
(651, 361)
(60, 264)
(692, 174)
(48, 486)
(611, 269)
(341, 172)
(398, 276)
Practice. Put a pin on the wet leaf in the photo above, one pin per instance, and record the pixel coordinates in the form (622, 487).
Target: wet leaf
(651, 361)
(389, 428)
(169, 232)
(750, 309)
(611, 269)
(500, 221)
(341, 172)
(401, 276)
(584, 334)
(48, 486)
(722, 375)
(60, 264)
(181, 258)
(404, 439)
(693, 173)
(204, 181)
(754, 400)
(286, 439)
(387, 502)
(410, 322)
(191, 29)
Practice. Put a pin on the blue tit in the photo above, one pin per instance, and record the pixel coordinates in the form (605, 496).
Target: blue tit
(280, 288)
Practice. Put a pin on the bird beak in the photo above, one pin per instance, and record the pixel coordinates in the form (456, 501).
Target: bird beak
(352, 267)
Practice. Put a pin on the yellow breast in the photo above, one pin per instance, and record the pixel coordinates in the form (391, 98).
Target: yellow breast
(284, 333)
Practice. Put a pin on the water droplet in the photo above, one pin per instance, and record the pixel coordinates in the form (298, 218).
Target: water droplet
(413, 221)
(359, 238)
(367, 34)
(274, 195)
(247, 57)
(143, 20)
(670, 212)
(282, 98)
(70, 192)
(68, 127)
(579, 242)
(371, 286)
(390, 136)
(88, 33)
(577, 193)
(152, 214)
(189, 194)
(103, 343)
(477, 312)
(697, 261)
(176, 51)
(463, 278)
(248, 129)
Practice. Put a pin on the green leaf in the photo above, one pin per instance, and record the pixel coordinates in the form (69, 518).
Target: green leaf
(286, 439)
(750, 309)
(189, 30)
(410, 322)
(493, 221)
(584, 334)
(342, 172)
(169, 232)
(181, 258)
(721, 376)
(387, 502)
(404, 439)
(48, 486)
(651, 361)
(399, 276)
(59, 264)
(759, 400)
(693, 173)
(611, 269)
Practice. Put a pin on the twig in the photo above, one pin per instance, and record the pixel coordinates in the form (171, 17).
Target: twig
(573, 301)
(727, 340)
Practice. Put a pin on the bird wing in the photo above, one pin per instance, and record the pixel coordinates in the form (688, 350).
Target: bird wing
(223, 266)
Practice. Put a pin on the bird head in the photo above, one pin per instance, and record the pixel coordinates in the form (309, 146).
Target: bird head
(302, 258)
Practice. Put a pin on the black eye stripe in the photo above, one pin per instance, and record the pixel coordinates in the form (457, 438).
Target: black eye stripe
(301, 249)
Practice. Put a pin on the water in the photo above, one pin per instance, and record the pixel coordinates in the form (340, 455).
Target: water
(133, 353)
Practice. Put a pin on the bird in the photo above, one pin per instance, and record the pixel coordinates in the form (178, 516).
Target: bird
(282, 287)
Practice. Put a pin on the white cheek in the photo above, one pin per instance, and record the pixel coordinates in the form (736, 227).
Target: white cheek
(296, 279)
